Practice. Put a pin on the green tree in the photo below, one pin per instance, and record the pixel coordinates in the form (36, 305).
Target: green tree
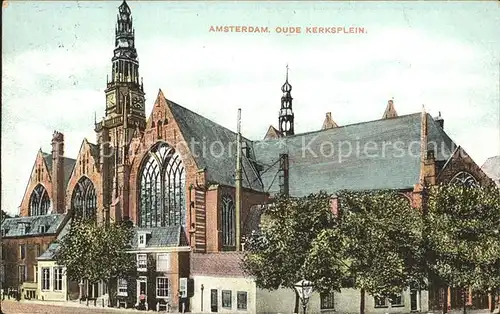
(462, 237)
(3, 216)
(284, 250)
(383, 242)
(92, 253)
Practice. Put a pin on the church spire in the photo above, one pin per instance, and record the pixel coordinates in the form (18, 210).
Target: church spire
(286, 113)
(125, 64)
(124, 89)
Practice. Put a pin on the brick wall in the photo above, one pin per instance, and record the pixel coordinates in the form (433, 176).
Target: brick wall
(39, 175)
(12, 258)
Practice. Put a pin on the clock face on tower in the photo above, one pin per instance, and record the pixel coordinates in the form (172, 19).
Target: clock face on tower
(137, 101)
(110, 100)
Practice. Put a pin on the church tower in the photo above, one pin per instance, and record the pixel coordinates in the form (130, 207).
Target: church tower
(125, 114)
(286, 113)
(125, 108)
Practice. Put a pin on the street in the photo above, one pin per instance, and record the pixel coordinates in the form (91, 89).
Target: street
(14, 307)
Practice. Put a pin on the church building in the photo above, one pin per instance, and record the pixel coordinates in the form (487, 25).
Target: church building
(173, 174)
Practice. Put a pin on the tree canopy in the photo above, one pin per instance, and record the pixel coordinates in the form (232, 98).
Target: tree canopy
(292, 232)
(92, 252)
(462, 236)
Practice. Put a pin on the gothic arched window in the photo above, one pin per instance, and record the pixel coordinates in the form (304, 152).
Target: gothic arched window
(84, 200)
(162, 195)
(228, 226)
(465, 179)
(39, 201)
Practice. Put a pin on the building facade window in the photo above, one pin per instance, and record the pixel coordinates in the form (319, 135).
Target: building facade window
(122, 287)
(228, 225)
(396, 300)
(142, 261)
(37, 250)
(241, 300)
(39, 201)
(162, 262)
(45, 278)
(162, 199)
(23, 274)
(35, 269)
(327, 301)
(214, 300)
(22, 251)
(226, 299)
(464, 179)
(161, 287)
(380, 302)
(58, 278)
(84, 200)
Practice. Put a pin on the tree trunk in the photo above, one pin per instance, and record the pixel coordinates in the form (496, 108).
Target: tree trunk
(297, 302)
(445, 300)
(362, 302)
(465, 300)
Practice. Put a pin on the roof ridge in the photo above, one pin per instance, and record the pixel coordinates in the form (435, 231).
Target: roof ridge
(344, 126)
(205, 118)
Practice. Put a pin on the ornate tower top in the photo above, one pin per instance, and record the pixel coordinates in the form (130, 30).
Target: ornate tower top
(124, 90)
(286, 113)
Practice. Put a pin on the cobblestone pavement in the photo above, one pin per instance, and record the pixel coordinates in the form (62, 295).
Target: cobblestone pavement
(13, 307)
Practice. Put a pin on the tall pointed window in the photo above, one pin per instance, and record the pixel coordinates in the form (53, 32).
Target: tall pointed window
(84, 199)
(162, 195)
(465, 179)
(228, 226)
(39, 201)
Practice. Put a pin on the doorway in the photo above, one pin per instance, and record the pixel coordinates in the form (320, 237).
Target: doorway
(142, 288)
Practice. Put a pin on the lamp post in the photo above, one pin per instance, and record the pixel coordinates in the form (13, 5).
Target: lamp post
(304, 289)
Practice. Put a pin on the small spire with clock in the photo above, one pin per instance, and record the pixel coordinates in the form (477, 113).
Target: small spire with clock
(286, 114)
(124, 90)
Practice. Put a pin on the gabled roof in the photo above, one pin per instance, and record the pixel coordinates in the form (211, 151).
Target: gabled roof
(220, 164)
(50, 253)
(170, 236)
(491, 168)
(51, 222)
(390, 111)
(272, 133)
(221, 264)
(381, 154)
(69, 164)
(329, 123)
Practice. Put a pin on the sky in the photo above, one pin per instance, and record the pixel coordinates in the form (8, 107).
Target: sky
(56, 55)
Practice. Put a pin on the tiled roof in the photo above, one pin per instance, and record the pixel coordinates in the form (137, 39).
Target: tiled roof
(49, 254)
(171, 236)
(492, 168)
(69, 164)
(220, 167)
(312, 167)
(52, 223)
(223, 264)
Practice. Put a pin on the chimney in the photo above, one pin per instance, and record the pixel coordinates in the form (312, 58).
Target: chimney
(58, 173)
(439, 120)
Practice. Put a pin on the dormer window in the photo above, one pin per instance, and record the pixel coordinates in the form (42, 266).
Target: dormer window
(42, 229)
(4, 232)
(142, 238)
(23, 228)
